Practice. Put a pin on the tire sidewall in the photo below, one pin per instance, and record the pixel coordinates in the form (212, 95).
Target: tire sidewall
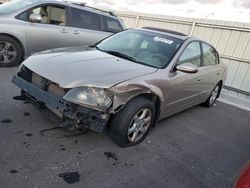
(119, 125)
(208, 102)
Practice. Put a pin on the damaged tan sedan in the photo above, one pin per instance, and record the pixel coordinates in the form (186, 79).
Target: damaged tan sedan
(125, 83)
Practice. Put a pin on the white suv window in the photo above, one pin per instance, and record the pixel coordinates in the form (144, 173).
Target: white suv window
(51, 14)
(111, 24)
(85, 19)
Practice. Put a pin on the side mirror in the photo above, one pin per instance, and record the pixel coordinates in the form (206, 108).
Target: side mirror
(187, 68)
(35, 18)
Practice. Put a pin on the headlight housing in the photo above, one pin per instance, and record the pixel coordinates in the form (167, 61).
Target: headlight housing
(96, 98)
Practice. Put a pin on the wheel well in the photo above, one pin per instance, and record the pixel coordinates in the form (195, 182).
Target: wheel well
(221, 85)
(152, 97)
(16, 39)
(220, 82)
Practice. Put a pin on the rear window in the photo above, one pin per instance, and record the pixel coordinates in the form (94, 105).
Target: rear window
(111, 24)
(85, 19)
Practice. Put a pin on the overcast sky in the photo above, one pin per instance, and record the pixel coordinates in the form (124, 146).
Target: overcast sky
(232, 10)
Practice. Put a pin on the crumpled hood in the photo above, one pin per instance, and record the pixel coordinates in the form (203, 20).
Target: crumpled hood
(83, 66)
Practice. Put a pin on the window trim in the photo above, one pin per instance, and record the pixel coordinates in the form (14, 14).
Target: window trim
(217, 59)
(70, 19)
(173, 68)
(28, 12)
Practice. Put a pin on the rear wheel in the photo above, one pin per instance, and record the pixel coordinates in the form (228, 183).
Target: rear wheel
(131, 125)
(213, 96)
(10, 52)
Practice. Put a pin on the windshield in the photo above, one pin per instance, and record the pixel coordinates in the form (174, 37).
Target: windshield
(142, 47)
(15, 5)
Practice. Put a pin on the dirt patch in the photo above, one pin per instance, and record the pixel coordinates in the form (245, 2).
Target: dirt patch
(6, 121)
(13, 171)
(19, 132)
(111, 155)
(70, 177)
(26, 114)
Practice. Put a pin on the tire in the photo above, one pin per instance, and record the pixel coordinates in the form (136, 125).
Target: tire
(10, 52)
(138, 117)
(213, 96)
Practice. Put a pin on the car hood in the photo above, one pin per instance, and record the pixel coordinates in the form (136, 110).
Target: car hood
(84, 66)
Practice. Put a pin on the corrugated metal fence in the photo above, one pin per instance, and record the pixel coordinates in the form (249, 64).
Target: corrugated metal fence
(232, 40)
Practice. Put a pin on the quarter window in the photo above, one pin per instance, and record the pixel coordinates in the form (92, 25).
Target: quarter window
(192, 54)
(111, 24)
(84, 19)
(210, 55)
(51, 14)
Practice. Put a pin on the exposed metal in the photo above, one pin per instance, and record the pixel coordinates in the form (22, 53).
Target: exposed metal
(75, 117)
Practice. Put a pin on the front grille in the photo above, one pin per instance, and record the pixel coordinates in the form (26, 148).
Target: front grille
(25, 74)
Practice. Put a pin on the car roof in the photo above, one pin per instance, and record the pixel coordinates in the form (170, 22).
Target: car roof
(171, 33)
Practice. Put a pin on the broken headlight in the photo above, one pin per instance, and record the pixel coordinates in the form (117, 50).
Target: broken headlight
(96, 98)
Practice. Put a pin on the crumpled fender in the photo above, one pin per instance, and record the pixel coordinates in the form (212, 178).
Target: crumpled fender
(129, 90)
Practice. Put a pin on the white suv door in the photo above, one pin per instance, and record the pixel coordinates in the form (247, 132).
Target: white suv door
(51, 32)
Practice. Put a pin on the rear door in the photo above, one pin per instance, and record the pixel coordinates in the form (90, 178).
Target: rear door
(86, 27)
(51, 32)
(210, 68)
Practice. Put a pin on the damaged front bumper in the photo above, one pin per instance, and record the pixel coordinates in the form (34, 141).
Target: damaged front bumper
(72, 114)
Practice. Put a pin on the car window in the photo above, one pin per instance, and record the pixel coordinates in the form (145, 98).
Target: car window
(210, 55)
(192, 54)
(22, 16)
(111, 24)
(51, 14)
(85, 19)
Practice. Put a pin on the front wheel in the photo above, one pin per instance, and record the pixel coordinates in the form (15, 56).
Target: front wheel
(131, 125)
(10, 52)
(213, 96)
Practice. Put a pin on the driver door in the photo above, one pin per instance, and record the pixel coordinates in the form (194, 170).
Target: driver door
(185, 87)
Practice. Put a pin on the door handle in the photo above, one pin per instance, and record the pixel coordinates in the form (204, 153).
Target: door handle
(76, 32)
(64, 31)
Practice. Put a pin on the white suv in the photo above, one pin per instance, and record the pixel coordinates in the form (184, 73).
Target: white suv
(29, 26)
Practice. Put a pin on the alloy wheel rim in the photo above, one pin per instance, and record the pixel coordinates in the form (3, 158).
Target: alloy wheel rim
(214, 95)
(7, 52)
(139, 125)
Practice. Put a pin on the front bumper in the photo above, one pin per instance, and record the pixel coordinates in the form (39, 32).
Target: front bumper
(73, 114)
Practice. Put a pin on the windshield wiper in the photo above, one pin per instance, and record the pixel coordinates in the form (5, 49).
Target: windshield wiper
(119, 54)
